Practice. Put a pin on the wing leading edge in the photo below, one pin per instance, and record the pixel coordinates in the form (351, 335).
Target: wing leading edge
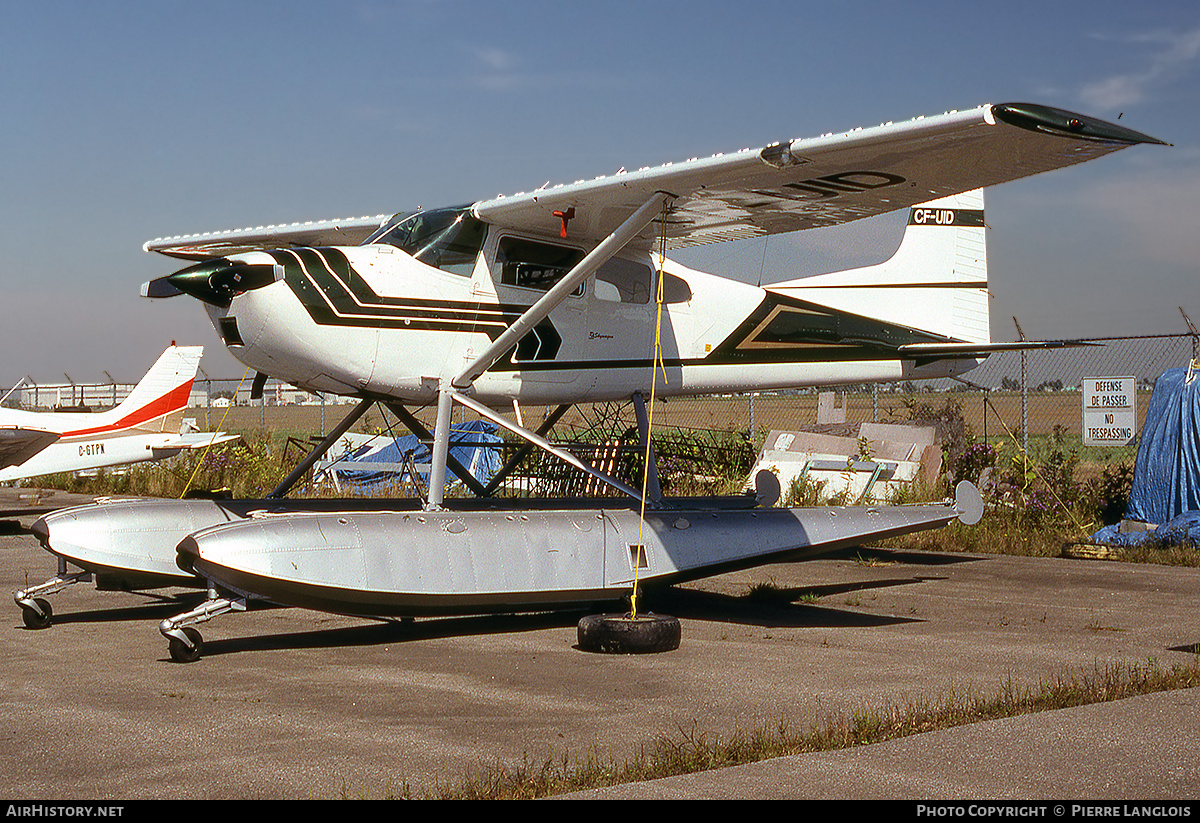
(345, 232)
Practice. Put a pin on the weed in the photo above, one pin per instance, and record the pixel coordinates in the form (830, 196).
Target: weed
(768, 592)
(804, 491)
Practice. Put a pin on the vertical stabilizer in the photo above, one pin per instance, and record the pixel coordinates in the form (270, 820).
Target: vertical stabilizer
(935, 282)
(164, 390)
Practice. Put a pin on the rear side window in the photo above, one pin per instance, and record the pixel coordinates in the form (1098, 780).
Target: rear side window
(625, 281)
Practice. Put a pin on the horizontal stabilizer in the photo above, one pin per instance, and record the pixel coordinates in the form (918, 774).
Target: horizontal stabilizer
(192, 440)
(984, 349)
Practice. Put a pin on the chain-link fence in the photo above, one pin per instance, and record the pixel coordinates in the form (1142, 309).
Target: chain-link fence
(1033, 399)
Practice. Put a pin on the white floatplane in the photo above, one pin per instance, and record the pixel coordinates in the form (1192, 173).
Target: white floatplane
(566, 295)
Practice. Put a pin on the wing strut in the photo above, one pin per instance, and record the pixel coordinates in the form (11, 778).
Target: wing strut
(541, 442)
(539, 310)
(349, 420)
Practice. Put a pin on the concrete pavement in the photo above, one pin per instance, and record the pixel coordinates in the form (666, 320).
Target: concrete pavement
(296, 704)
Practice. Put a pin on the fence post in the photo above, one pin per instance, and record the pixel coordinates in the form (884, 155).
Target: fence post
(1024, 393)
(1024, 407)
(985, 404)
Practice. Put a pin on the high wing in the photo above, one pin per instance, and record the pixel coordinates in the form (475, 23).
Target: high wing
(345, 232)
(19, 444)
(822, 181)
(783, 187)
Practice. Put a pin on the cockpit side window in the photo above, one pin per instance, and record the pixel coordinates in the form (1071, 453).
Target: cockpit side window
(447, 239)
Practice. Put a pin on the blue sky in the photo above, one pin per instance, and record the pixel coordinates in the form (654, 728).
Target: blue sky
(132, 120)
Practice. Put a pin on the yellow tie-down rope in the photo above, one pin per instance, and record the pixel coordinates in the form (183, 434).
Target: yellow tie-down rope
(657, 362)
(220, 426)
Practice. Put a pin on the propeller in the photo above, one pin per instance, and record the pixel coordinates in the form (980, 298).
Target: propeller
(215, 281)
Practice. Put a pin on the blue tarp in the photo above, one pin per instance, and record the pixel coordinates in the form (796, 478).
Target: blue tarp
(1182, 529)
(1166, 480)
(473, 444)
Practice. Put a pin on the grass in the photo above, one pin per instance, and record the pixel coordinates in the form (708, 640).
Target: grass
(1000, 534)
(769, 592)
(249, 468)
(692, 750)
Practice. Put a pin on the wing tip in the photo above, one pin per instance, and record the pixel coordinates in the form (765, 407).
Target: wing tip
(1048, 120)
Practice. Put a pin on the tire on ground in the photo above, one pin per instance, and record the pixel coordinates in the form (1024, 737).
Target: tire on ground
(622, 634)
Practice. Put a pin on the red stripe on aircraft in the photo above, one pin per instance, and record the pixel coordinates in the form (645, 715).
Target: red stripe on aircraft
(175, 399)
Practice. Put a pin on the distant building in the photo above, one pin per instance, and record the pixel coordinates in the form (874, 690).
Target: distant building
(205, 393)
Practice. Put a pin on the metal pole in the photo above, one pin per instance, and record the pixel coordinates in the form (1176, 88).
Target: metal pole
(653, 488)
(522, 452)
(316, 454)
(441, 447)
(985, 399)
(1024, 394)
(1024, 407)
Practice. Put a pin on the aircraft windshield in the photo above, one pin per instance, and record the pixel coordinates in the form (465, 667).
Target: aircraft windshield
(447, 239)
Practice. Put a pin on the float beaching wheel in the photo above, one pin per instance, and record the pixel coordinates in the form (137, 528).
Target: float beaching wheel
(181, 652)
(623, 634)
(39, 618)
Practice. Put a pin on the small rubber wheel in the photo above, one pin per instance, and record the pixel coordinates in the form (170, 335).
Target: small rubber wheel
(39, 618)
(622, 634)
(180, 652)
